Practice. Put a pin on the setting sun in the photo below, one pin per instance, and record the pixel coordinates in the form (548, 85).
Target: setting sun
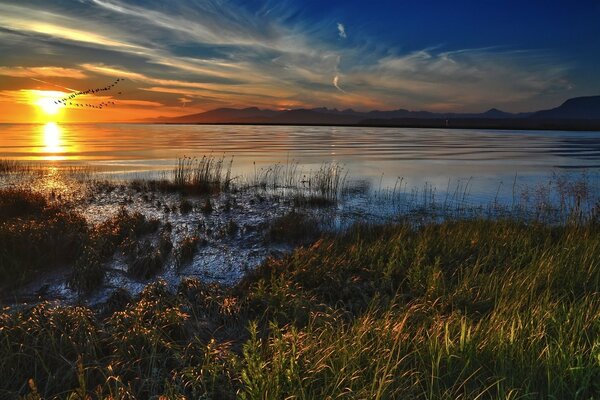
(48, 106)
(47, 100)
(283, 199)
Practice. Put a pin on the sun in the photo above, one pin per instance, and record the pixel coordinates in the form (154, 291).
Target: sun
(49, 106)
(48, 101)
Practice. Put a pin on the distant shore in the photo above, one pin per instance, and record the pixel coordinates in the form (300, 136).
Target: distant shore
(496, 124)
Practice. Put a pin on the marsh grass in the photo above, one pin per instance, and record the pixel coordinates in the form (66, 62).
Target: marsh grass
(8, 166)
(461, 309)
(501, 302)
(561, 199)
(146, 262)
(35, 235)
(124, 230)
(324, 186)
(29, 169)
(203, 175)
(186, 249)
(293, 227)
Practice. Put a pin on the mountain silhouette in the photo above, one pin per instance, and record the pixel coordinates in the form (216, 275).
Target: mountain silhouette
(221, 115)
(576, 108)
(576, 113)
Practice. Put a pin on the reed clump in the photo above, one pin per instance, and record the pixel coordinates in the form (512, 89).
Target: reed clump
(204, 175)
(459, 309)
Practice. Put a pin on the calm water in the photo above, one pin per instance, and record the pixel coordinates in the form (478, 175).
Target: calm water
(489, 159)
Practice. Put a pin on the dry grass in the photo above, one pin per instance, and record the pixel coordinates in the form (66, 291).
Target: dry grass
(463, 309)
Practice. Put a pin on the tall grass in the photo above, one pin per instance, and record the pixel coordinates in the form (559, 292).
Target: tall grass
(8, 166)
(462, 309)
(558, 200)
(204, 175)
(327, 183)
(323, 186)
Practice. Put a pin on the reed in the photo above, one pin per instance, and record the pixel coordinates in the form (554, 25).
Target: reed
(203, 175)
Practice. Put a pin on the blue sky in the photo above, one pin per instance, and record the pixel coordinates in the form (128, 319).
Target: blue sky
(183, 56)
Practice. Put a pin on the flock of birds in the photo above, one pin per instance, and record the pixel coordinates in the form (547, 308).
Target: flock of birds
(68, 100)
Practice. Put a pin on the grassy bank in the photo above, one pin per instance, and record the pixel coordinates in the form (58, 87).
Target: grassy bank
(460, 309)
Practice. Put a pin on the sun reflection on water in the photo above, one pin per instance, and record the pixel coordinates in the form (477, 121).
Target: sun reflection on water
(53, 142)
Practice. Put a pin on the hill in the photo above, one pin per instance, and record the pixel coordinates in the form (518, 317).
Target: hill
(576, 113)
(576, 108)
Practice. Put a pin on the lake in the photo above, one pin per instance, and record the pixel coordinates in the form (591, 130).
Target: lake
(490, 161)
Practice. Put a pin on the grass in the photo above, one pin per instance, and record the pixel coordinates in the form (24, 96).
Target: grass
(146, 262)
(320, 188)
(8, 166)
(293, 227)
(36, 235)
(187, 248)
(489, 307)
(459, 309)
(203, 175)
(123, 231)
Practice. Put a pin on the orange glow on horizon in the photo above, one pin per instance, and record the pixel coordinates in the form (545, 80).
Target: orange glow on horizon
(41, 106)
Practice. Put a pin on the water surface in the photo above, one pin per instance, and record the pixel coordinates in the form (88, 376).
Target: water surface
(489, 160)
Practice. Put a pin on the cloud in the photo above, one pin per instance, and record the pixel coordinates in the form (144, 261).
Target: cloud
(215, 54)
(184, 101)
(115, 71)
(471, 79)
(41, 72)
(23, 19)
(336, 80)
(143, 103)
(341, 30)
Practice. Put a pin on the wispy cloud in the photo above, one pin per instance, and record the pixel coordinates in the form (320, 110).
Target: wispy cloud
(41, 72)
(341, 30)
(214, 54)
(24, 19)
(469, 78)
(184, 101)
(336, 81)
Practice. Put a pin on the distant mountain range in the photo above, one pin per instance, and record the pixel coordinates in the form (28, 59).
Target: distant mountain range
(576, 113)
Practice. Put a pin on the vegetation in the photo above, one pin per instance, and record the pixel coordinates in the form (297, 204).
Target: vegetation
(293, 227)
(205, 175)
(501, 302)
(123, 231)
(188, 246)
(36, 235)
(322, 187)
(459, 309)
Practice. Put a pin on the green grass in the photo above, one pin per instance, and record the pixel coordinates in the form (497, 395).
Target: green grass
(462, 309)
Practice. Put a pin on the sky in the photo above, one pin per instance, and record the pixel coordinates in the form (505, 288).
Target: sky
(182, 57)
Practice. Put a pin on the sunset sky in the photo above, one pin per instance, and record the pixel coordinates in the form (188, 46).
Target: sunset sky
(181, 57)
